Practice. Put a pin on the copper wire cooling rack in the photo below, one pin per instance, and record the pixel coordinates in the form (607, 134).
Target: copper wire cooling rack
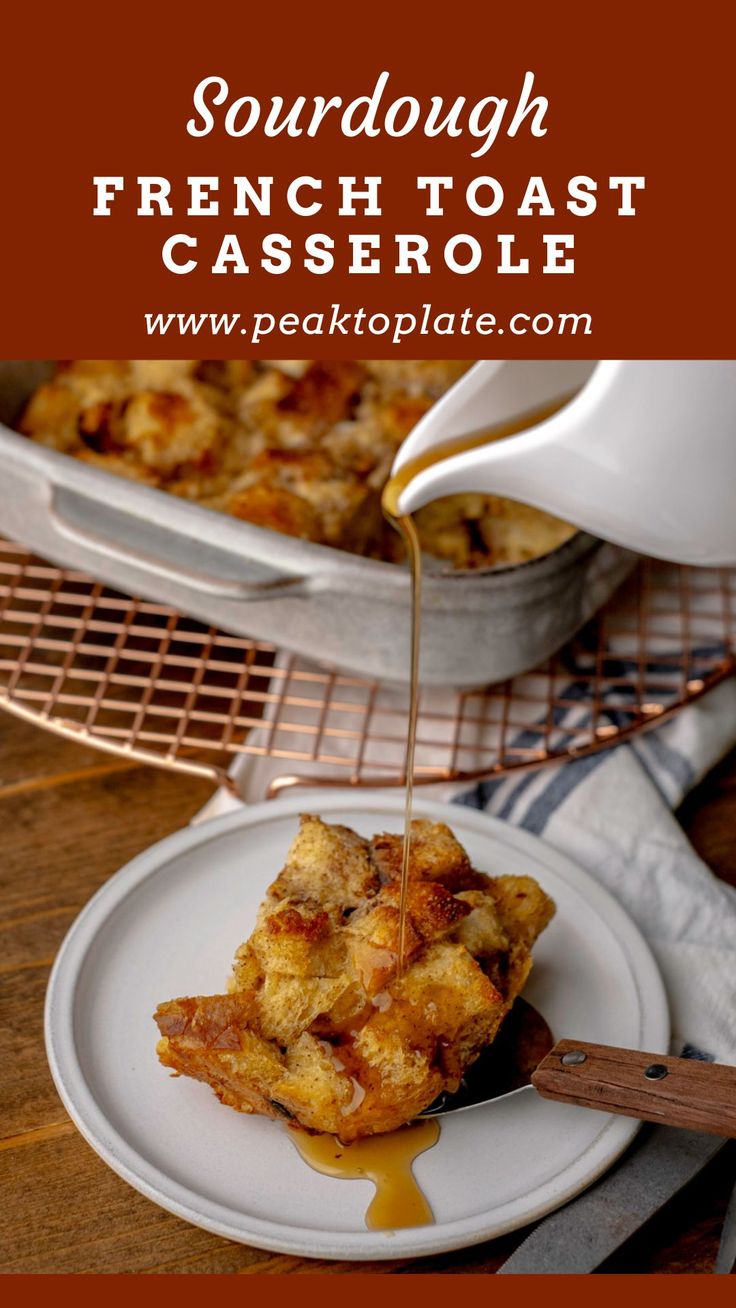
(137, 679)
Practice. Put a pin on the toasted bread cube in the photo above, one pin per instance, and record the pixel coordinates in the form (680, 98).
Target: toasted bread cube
(247, 973)
(434, 855)
(394, 1083)
(316, 1086)
(523, 907)
(328, 863)
(482, 932)
(209, 1038)
(52, 417)
(321, 396)
(458, 1006)
(289, 1005)
(169, 430)
(276, 508)
(373, 933)
(511, 532)
(299, 937)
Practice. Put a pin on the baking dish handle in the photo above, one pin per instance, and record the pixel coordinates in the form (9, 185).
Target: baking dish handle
(114, 534)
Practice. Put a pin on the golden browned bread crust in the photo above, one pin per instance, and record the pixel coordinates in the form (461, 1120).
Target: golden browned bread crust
(301, 447)
(320, 1025)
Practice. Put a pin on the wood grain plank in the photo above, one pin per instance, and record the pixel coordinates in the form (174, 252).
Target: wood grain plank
(38, 1135)
(70, 1213)
(68, 778)
(29, 1098)
(60, 844)
(30, 754)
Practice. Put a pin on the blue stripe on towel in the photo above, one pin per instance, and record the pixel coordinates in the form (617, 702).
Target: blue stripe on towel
(509, 803)
(564, 781)
(481, 794)
(567, 778)
(650, 772)
(692, 1051)
(670, 760)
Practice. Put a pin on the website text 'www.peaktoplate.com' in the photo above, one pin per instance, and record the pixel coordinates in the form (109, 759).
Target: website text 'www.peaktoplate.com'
(394, 327)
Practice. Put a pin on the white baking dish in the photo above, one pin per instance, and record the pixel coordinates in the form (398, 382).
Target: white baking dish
(332, 606)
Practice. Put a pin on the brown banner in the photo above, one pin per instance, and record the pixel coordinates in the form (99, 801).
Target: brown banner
(582, 210)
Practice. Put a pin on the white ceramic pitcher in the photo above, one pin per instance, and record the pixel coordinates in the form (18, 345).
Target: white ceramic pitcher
(643, 454)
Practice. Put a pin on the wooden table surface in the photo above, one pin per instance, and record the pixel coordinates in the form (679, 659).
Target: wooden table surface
(69, 817)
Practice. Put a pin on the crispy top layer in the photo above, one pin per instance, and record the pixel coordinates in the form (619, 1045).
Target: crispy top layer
(320, 1025)
(301, 447)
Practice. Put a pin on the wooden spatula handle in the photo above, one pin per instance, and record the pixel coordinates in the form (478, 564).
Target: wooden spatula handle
(675, 1091)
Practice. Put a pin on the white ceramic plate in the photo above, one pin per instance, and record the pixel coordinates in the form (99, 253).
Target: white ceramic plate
(168, 924)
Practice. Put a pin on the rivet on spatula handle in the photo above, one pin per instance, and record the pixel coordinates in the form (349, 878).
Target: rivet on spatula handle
(675, 1091)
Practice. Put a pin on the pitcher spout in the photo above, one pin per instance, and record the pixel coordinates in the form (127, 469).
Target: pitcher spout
(644, 456)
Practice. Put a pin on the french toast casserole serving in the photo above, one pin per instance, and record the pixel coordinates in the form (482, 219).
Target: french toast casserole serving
(320, 1024)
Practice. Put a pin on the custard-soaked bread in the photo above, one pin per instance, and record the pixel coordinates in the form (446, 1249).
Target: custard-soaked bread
(302, 447)
(320, 1025)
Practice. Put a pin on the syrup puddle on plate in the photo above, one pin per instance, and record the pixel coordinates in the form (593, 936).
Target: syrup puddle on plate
(386, 1161)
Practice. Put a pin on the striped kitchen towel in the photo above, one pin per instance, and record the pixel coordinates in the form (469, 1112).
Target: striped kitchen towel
(612, 813)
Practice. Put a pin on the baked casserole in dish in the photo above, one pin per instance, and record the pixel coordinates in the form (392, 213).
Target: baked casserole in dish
(300, 447)
(294, 456)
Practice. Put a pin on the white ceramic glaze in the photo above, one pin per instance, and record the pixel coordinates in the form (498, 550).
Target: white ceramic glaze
(644, 455)
(168, 923)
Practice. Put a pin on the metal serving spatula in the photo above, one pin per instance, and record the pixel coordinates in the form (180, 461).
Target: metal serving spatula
(680, 1092)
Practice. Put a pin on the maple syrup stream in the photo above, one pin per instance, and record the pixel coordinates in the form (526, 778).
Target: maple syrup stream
(387, 1159)
(406, 526)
